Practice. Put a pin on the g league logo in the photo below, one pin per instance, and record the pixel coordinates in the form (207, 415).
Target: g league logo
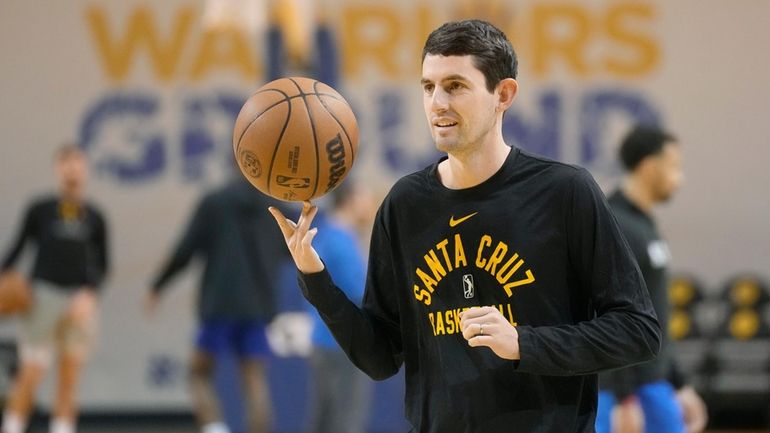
(469, 289)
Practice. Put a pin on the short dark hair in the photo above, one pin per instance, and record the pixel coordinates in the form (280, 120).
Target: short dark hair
(66, 150)
(492, 52)
(643, 141)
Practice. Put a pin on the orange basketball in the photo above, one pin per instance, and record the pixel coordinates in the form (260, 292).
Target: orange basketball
(295, 139)
(15, 294)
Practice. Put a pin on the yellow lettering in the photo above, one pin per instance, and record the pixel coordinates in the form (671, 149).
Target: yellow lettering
(224, 47)
(496, 258)
(502, 279)
(435, 267)
(422, 295)
(501, 309)
(442, 246)
(117, 55)
(370, 36)
(510, 316)
(439, 324)
(560, 30)
(645, 51)
(510, 286)
(425, 24)
(459, 252)
(447, 322)
(450, 323)
(429, 282)
(485, 241)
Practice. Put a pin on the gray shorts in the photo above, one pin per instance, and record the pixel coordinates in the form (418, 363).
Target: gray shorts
(46, 326)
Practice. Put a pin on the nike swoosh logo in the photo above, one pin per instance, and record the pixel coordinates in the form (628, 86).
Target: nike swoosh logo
(455, 222)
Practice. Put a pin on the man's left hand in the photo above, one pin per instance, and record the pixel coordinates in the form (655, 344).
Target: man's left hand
(486, 326)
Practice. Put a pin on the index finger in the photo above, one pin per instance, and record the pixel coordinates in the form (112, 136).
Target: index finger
(308, 213)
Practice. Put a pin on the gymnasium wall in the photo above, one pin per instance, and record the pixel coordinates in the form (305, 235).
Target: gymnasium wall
(151, 89)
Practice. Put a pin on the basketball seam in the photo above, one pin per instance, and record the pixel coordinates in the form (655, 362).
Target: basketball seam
(286, 98)
(246, 129)
(275, 149)
(331, 113)
(315, 137)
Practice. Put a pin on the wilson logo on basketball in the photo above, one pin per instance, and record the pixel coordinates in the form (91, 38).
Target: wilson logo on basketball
(335, 151)
(251, 164)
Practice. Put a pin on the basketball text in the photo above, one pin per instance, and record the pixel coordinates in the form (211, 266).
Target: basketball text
(335, 151)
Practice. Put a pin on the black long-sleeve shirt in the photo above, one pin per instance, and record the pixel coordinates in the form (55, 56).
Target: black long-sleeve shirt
(71, 242)
(235, 235)
(537, 241)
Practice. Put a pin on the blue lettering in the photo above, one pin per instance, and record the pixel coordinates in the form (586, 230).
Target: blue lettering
(390, 124)
(595, 111)
(542, 138)
(200, 143)
(116, 133)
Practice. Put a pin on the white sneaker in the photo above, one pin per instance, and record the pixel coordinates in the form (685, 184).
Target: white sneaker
(215, 427)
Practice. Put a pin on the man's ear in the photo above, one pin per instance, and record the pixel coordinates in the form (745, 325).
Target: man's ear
(506, 91)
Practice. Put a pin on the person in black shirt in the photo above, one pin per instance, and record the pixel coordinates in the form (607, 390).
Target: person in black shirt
(232, 233)
(498, 278)
(70, 234)
(652, 158)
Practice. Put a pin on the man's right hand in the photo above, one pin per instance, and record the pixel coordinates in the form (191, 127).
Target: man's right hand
(693, 409)
(299, 238)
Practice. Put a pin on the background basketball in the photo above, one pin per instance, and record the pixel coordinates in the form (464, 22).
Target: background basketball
(15, 296)
(295, 139)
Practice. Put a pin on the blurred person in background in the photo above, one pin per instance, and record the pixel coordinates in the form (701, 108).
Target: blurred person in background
(341, 393)
(656, 390)
(231, 232)
(70, 265)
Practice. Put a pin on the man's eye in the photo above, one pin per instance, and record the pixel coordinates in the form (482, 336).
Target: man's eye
(428, 88)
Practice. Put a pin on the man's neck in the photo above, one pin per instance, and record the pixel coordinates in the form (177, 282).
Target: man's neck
(637, 192)
(71, 196)
(470, 169)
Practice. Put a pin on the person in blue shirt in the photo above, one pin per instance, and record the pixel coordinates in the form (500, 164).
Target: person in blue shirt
(341, 393)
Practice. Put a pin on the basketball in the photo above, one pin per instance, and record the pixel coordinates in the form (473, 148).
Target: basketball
(15, 296)
(295, 139)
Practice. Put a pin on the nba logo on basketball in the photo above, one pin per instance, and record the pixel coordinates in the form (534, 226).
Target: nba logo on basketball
(468, 289)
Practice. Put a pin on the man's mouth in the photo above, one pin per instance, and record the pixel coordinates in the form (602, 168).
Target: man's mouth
(445, 123)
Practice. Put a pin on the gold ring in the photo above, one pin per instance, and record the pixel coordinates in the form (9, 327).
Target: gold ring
(481, 329)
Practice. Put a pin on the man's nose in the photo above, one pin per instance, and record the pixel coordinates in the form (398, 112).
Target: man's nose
(440, 102)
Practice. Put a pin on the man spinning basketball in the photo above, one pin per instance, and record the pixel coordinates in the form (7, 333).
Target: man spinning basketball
(499, 279)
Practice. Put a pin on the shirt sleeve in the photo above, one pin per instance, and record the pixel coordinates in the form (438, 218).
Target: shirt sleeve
(369, 335)
(25, 232)
(625, 329)
(191, 242)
